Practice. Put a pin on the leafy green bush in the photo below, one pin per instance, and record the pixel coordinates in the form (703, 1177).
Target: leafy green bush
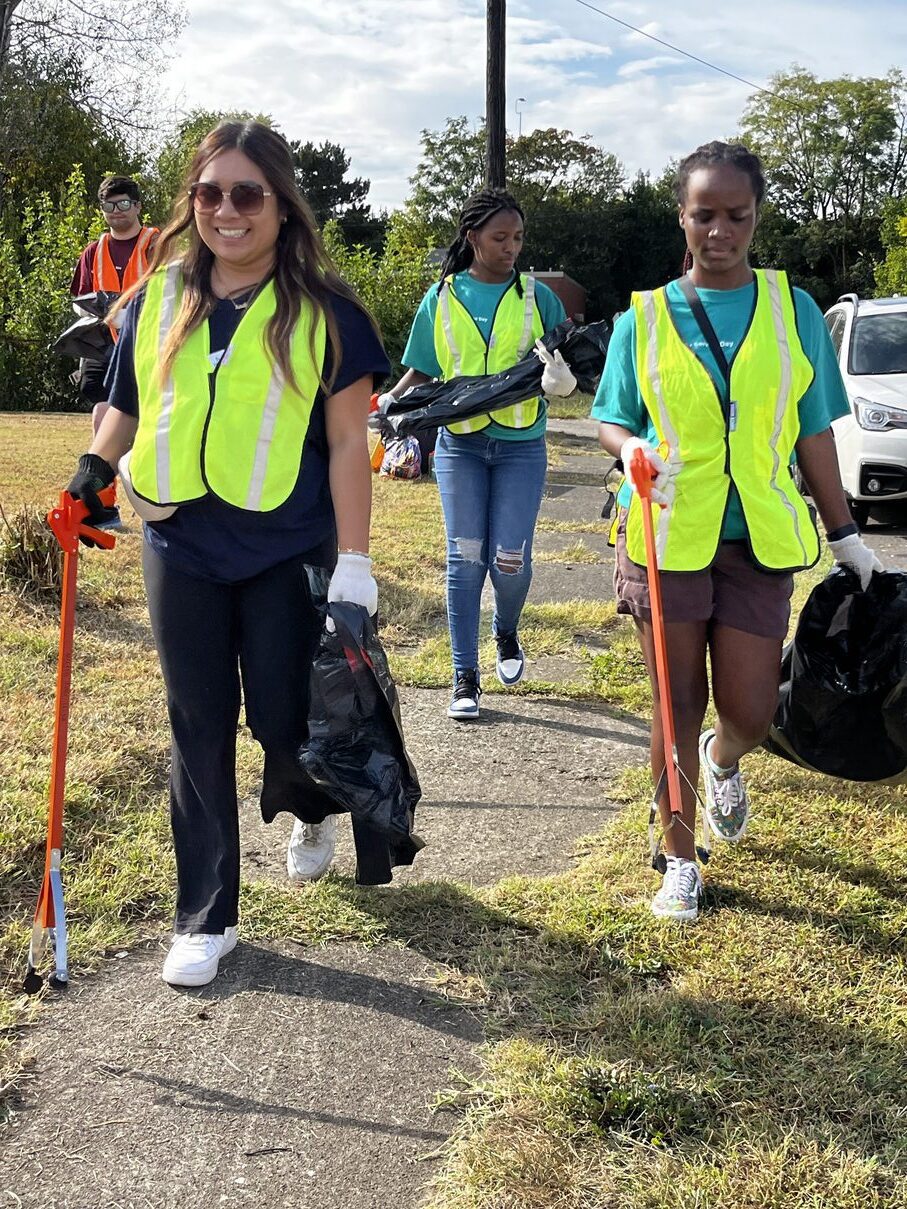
(390, 284)
(37, 256)
(891, 273)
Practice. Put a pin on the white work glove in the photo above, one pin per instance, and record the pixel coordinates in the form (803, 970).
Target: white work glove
(353, 581)
(851, 551)
(556, 377)
(377, 420)
(663, 484)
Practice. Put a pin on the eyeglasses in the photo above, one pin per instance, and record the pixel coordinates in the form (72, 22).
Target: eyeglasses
(246, 197)
(121, 203)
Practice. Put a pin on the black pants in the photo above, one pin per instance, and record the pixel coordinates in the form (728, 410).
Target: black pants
(211, 637)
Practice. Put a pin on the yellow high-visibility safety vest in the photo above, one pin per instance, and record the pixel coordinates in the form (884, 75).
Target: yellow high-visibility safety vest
(461, 348)
(711, 442)
(243, 441)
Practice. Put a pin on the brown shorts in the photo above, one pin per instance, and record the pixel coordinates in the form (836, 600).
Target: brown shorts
(732, 591)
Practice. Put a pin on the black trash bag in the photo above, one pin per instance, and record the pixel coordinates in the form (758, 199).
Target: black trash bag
(89, 336)
(583, 348)
(355, 753)
(842, 708)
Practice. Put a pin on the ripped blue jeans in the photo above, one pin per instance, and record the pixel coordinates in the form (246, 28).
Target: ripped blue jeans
(491, 492)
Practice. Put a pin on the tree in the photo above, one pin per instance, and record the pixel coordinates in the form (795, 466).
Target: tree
(36, 265)
(541, 166)
(44, 132)
(580, 216)
(834, 152)
(121, 49)
(891, 273)
(390, 282)
(553, 163)
(452, 167)
(321, 176)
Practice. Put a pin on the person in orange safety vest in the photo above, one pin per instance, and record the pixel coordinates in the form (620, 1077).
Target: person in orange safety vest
(112, 263)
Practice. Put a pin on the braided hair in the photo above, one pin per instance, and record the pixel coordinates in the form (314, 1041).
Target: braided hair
(712, 154)
(478, 210)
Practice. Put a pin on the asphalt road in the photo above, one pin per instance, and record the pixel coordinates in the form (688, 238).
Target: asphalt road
(886, 533)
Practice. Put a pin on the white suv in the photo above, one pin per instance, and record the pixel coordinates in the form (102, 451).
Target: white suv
(870, 338)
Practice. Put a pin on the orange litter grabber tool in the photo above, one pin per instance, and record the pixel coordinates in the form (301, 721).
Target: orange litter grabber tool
(642, 477)
(67, 521)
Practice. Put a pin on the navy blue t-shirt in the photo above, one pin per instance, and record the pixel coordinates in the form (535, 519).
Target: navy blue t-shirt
(213, 540)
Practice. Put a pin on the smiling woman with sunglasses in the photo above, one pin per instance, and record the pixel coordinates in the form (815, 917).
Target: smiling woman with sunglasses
(241, 384)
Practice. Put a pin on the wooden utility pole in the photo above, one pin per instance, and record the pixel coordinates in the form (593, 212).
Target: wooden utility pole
(495, 119)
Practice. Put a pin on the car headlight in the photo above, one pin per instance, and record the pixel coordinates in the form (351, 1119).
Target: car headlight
(876, 417)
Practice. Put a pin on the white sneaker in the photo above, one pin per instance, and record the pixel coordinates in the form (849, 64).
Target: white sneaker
(680, 893)
(194, 957)
(727, 808)
(510, 664)
(311, 849)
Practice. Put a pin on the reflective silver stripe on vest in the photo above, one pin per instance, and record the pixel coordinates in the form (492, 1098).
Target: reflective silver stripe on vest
(664, 517)
(528, 316)
(444, 304)
(263, 440)
(781, 403)
(161, 443)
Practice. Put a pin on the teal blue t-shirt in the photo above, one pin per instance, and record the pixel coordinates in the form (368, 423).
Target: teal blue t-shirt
(618, 399)
(481, 299)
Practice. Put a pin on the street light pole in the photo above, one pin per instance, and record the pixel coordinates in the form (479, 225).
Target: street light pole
(519, 113)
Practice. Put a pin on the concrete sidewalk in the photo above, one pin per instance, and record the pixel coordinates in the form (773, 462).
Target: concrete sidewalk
(306, 1077)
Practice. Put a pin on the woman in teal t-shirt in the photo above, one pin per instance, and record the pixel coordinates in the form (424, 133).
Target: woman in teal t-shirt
(732, 611)
(491, 479)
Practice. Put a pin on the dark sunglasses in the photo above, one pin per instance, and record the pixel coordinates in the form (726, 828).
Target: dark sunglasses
(121, 203)
(247, 197)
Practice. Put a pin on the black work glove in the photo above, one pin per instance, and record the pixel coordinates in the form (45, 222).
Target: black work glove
(92, 476)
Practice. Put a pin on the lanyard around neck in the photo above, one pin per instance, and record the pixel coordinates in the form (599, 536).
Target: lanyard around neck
(705, 326)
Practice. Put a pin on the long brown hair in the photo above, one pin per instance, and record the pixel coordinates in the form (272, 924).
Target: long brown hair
(303, 271)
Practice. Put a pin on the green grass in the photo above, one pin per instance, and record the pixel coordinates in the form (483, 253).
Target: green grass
(576, 407)
(752, 1061)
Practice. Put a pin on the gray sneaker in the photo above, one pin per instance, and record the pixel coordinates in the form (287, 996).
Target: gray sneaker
(727, 808)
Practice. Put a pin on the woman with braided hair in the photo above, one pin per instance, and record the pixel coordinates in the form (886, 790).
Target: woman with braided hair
(720, 380)
(482, 317)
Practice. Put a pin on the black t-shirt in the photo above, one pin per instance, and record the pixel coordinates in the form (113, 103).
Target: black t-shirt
(215, 541)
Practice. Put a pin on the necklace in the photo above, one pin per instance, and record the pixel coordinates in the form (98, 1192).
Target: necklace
(241, 298)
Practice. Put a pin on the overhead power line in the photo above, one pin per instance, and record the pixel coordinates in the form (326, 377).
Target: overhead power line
(677, 49)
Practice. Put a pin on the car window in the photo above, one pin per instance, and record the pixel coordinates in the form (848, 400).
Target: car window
(834, 321)
(879, 344)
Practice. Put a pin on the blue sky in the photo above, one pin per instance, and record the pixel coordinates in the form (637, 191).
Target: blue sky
(371, 74)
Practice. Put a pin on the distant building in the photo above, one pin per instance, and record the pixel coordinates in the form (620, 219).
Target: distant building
(570, 292)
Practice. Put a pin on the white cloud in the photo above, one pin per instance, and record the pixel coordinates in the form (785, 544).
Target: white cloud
(636, 67)
(371, 74)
